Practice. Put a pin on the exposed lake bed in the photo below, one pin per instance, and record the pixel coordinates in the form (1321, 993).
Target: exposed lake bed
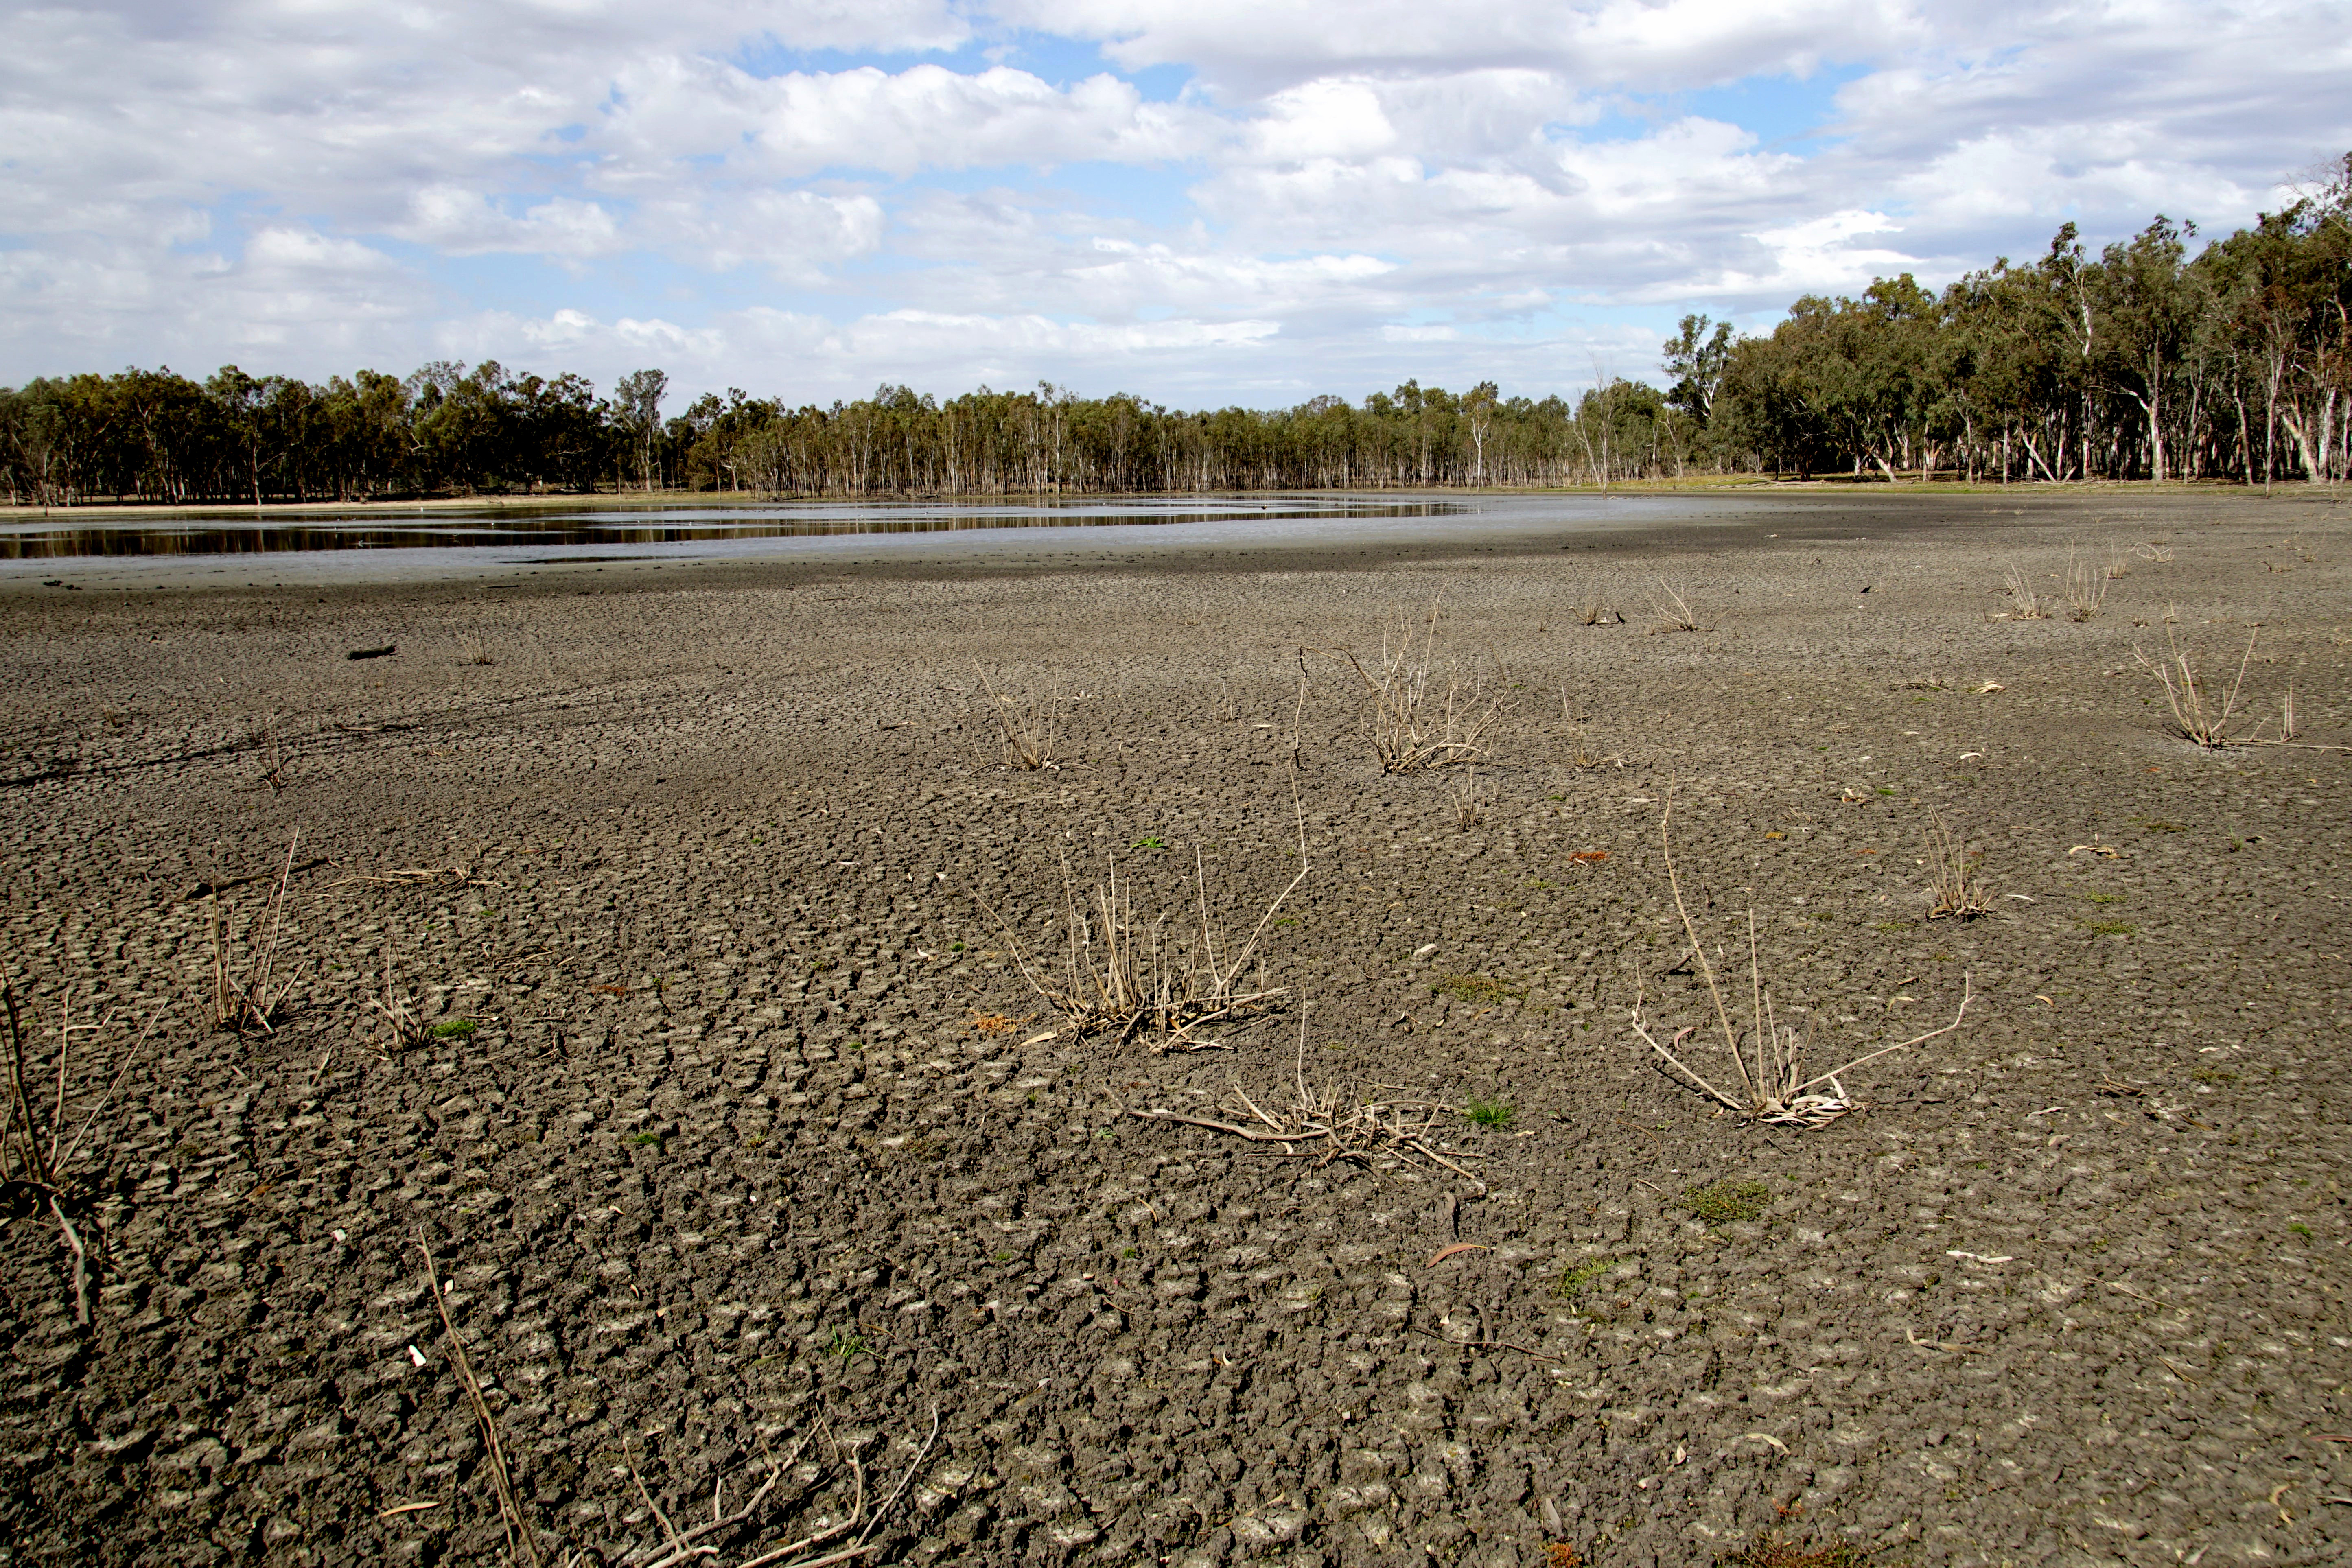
(730, 1118)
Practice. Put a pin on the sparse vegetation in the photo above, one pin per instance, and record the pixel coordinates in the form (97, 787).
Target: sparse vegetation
(2024, 603)
(1488, 1113)
(1672, 611)
(1026, 733)
(1771, 1550)
(1722, 1203)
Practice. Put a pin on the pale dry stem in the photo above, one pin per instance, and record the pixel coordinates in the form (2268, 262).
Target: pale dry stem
(2196, 716)
(1774, 1085)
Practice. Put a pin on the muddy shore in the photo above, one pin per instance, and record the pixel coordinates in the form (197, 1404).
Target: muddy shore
(707, 1071)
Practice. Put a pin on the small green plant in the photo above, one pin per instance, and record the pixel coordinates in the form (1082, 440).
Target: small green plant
(1771, 1550)
(2103, 897)
(1488, 1113)
(1006, 1257)
(647, 1141)
(1129, 1252)
(847, 1345)
(1287, 920)
(1883, 790)
(2110, 928)
(2299, 1228)
(1575, 1277)
(1721, 1202)
(1153, 841)
(455, 1029)
(1480, 990)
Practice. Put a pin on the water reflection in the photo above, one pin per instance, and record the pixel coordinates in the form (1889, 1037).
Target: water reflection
(290, 533)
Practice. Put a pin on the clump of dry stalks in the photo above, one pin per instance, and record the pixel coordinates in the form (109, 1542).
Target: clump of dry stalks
(1957, 889)
(1672, 612)
(2196, 715)
(1115, 975)
(2087, 586)
(1774, 1085)
(1413, 726)
(2024, 603)
(473, 647)
(250, 996)
(36, 1157)
(1028, 737)
(1468, 802)
(1378, 1123)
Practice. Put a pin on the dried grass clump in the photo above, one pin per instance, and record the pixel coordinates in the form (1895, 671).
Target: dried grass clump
(2086, 587)
(1117, 975)
(1774, 1085)
(1028, 736)
(2024, 603)
(1957, 890)
(1672, 611)
(1413, 725)
(1469, 803)
(474, 648)
(2197, 716)
(1598, 612)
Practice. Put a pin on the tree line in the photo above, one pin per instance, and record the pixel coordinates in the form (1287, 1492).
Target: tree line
(2141, 361)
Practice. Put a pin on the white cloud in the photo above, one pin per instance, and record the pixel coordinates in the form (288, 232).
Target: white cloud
(1333, 201)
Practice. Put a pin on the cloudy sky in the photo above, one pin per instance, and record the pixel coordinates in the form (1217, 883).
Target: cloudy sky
(1201, 201)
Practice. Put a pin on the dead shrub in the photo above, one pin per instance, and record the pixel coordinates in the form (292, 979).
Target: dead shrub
(1116, 974)
(2086, 587)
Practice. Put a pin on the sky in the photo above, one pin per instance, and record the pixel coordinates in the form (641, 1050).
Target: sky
(1201, 202)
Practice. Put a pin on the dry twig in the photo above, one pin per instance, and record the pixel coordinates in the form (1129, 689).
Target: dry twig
(520, 1537)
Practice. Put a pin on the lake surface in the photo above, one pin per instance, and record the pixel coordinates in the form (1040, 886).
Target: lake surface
(397, 543)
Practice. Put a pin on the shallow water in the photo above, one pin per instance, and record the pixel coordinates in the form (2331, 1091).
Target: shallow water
(408, 543)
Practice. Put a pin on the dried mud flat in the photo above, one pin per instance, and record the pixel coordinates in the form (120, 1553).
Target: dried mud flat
(745, 1155)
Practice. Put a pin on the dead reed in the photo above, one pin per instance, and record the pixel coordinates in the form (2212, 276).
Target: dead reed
(396, 1008)
(1469, 805)
(1672, 611)
(522, 1540)
(1774, 1085)
(2085, 587)
(250, 995)
(815, 1550)
(1414, 725)
(1028, 738)
(2024, 603)
(1957, 889)
(1117, 975)
(473, 647)
(2197, 716)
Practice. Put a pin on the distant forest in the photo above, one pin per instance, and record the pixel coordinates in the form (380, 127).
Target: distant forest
(2142, 361)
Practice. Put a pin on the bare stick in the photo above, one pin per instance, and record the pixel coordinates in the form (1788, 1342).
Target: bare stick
(518, 1531)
